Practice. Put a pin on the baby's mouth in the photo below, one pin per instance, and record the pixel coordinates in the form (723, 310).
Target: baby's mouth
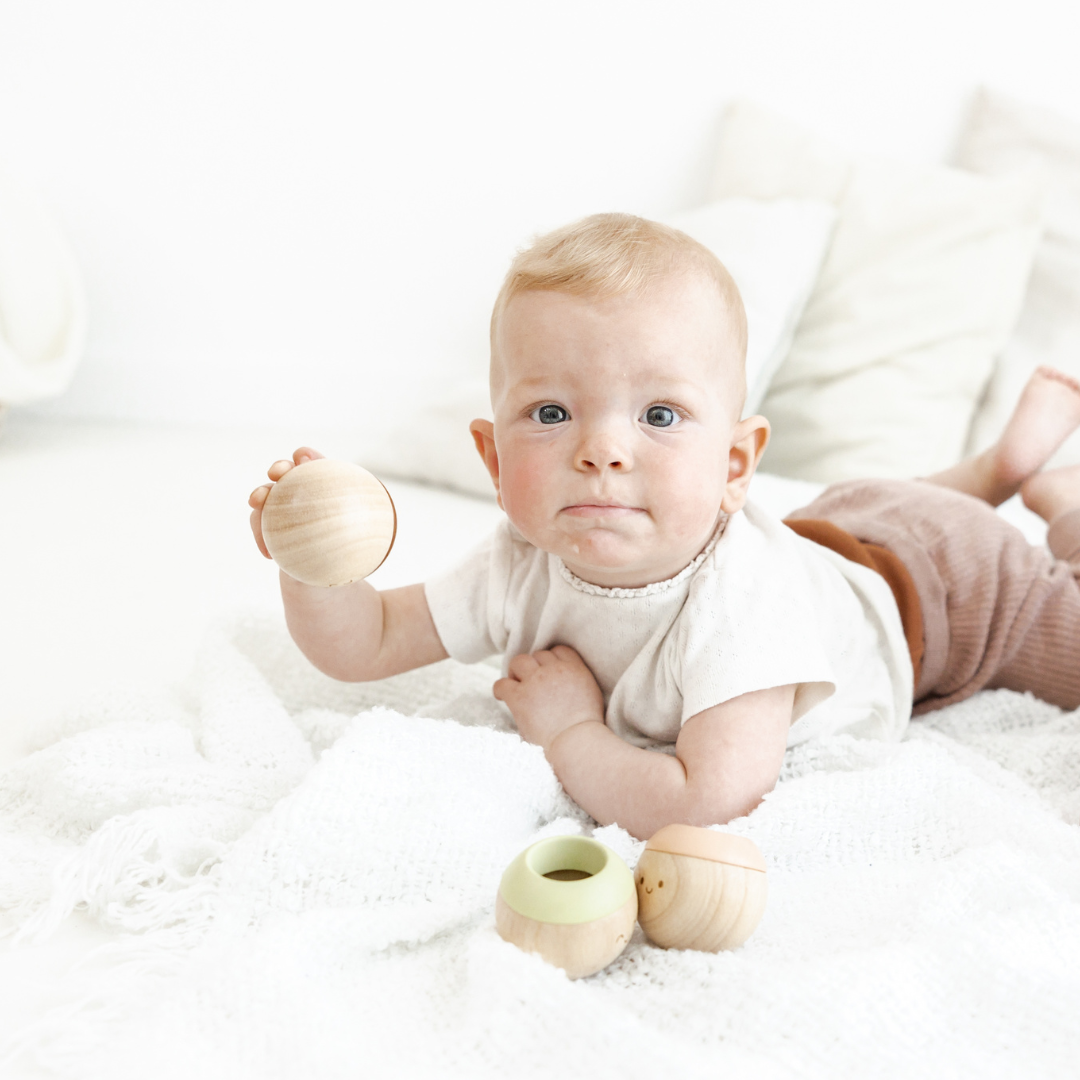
(600, 510)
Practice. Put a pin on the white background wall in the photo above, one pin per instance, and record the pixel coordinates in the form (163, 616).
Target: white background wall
(289, 211)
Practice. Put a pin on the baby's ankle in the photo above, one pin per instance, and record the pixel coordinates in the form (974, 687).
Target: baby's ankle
(1053, 493)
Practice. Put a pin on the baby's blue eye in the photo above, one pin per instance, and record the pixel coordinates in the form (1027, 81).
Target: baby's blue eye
(660, 416)
(550, 414)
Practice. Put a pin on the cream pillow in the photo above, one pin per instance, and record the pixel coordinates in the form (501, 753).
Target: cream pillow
(773, 250)
(919, 291)
(1003, 137)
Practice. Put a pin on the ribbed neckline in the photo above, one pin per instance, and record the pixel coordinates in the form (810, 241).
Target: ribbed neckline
(654, 587)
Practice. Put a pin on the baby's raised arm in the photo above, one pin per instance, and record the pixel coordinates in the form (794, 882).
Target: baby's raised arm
(351, 632)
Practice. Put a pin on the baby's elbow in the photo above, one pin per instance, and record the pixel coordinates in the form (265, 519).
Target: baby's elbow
(726, 798)
(332, 661)
(337, 668)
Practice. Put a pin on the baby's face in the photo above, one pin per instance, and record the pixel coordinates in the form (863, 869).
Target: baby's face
(616, 442)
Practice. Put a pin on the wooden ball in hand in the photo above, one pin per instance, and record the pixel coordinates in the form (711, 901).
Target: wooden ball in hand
(328, 522)
(699, 888)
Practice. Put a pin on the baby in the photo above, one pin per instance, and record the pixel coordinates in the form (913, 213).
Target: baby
(642, 604)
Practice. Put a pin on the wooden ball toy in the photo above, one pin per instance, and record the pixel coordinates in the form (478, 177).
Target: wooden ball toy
(699, 888)
(571, 900)
(328, 522)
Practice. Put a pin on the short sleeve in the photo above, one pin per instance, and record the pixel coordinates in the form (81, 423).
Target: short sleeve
(460, 600)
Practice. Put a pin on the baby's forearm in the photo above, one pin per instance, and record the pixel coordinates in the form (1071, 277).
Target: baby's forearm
(339, 630)
(641, 790)
(355, 633)
(727, 757)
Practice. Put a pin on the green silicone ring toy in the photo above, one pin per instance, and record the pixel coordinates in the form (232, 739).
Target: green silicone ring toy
(606, 888)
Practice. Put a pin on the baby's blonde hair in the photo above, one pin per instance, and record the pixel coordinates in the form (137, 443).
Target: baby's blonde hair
(611, 255)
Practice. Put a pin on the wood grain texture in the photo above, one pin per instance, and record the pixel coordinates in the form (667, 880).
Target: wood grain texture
(328, 522)
(580, 949)
(690, 903)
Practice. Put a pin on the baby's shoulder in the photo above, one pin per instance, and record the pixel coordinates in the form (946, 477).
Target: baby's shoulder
(754, 537)
(760, 568)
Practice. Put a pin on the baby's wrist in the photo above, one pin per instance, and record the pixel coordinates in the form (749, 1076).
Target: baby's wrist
(564, 737)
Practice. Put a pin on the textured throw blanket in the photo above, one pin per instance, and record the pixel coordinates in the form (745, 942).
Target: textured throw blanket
(299, 877)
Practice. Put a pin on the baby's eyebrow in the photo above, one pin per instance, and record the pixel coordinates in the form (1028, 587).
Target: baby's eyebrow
(661, 387)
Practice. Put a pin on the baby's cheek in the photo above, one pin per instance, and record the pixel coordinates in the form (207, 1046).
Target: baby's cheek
(690, 507)
(523, 485)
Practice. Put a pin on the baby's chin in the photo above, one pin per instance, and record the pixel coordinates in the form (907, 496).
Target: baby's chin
(623, 552)
(613, 565)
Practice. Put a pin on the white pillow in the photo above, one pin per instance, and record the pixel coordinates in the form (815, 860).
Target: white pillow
(42, 303)
(773, 249)
(1003, 136)
(918, 293)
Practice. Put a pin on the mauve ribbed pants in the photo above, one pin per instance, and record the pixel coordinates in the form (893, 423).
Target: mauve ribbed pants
(997, 612)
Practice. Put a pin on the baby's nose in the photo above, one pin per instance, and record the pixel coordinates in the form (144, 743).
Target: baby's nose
(600, 462)
(602, 451)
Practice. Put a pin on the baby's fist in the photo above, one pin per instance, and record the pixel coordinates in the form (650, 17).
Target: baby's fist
(548, 692)
(257, 499)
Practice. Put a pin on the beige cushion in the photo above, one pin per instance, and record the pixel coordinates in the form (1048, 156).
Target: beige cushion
(1002, 137)
(918, 294)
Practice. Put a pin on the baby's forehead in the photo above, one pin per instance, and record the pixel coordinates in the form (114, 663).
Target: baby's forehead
(665, 333)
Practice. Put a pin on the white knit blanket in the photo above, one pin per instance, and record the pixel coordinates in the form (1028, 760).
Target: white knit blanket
(300, 878)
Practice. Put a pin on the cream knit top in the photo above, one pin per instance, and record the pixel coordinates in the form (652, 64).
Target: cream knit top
(758, 607)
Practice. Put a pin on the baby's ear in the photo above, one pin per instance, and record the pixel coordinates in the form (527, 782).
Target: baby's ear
(748, 442)
(483, 433)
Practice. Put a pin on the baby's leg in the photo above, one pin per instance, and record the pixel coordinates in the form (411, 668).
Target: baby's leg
(996, 611)
(1046, 415)
(1053, 494)
(1047, 659)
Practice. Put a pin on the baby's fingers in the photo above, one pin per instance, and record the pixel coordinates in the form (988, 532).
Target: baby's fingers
(256, 500)
(504, 688)
(300, 455)
(561, 653)
(523, 665)
(256, 526)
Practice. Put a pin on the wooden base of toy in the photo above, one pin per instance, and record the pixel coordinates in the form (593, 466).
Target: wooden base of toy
(690, 899)
(328, 522)
(580, 949)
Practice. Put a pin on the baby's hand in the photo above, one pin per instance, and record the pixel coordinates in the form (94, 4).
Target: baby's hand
(257, 499)
(548, 692)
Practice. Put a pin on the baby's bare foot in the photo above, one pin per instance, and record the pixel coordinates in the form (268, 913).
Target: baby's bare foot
(1053, 492)
(1047, 413)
